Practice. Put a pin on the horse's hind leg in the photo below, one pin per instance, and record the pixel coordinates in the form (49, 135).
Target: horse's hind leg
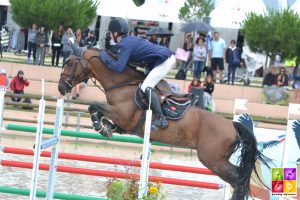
(226, 171)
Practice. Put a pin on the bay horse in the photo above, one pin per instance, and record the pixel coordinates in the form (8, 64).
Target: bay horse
(214, 137)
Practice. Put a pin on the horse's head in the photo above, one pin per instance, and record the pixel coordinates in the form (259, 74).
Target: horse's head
(74, 72)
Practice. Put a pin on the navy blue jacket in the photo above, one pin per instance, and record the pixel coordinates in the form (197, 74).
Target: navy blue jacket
(137, 50)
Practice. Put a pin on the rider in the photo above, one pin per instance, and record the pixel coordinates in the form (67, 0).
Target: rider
(157, 60)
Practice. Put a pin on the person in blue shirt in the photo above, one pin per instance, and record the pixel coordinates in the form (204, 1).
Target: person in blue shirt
(157, 59)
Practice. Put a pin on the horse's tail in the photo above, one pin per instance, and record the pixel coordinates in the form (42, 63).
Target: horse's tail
(248, 157)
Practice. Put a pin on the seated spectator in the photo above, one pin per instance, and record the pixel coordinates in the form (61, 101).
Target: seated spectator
(296, 84)
(76, 90)
(282, 78)
(209, 84)
(208, 90)
(17, 85)
(3, 79)
(270, 78)
(194, 83)
(272, 94)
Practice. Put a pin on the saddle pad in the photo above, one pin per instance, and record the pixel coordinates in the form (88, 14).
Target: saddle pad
(174, 110)
(171, 109)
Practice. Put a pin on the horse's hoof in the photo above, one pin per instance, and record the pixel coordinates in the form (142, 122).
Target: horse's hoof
(106, 133)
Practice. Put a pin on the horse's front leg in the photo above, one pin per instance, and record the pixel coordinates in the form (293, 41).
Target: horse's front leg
(101, 116)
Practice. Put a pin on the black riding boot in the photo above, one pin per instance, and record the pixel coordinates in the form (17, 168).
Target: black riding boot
(160, 121)
(96, 122)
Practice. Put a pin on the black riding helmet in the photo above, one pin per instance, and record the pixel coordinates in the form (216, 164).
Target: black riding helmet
(118, 25)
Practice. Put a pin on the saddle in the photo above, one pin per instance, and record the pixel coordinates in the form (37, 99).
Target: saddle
(174, 105)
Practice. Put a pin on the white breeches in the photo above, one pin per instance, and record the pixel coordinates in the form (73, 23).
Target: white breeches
(158, 73)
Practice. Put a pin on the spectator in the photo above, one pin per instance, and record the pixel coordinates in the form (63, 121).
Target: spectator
(208, 90)
(282, 78)
(41, 42)
(153, 39)
(194, 83)
(233, 58)
(272, 94)
(188, 46)
(67, 49)
(76, 90)
(90, 41)
(217, 54)
(200, 54)
(270, 78)
(296, 84)
(107, 41)
(165, 41)
(56, 44)
(79, 38)
(17, 85)
(208, 84)
(32, 43)
(4, 82)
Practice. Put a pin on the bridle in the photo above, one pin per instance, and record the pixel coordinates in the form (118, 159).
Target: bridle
(72, 78)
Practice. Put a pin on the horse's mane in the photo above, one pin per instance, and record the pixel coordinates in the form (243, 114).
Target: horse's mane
(130, 70)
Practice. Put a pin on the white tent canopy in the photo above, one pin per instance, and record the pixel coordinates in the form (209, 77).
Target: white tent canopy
(296, 7)
(4, 3)
(155, 10)
(231, 13)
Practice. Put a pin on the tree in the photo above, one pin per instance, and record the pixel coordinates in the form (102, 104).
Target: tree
(194, 10)
(52, 13)
(273, 33)
(138, 3)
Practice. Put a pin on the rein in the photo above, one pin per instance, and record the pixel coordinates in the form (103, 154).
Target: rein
(104, 90)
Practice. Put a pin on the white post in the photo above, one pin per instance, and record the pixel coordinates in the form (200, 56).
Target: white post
(38, 141)
(143, 186)
(37, 150)
(54, 154)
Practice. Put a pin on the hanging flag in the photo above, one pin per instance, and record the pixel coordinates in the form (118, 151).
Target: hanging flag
(294, 109)
(239, 104)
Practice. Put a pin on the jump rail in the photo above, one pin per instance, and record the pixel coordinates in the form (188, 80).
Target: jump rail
(26, 192)
(104, 173)
(73, 133)
(114, 161)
